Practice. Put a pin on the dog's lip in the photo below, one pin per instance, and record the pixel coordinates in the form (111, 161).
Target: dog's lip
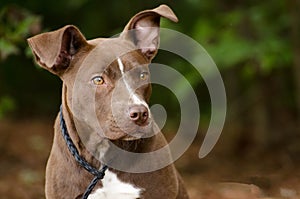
(132, 128)
(135, 135)
(129, 132)
(130, 138)
(138, 135)
(143, 125)
(127, 137)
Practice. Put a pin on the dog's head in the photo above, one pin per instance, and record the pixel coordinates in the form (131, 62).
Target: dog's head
(106, 81)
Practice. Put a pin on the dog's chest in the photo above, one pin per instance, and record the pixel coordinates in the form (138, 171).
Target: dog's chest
(114, 188)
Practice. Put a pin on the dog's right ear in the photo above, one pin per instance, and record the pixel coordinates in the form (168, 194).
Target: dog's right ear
(54, 50)
(143, 29)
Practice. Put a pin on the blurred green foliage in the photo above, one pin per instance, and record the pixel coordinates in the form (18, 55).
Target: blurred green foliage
(6, 105)
(16, 25)
(247, 33)
(250, 41)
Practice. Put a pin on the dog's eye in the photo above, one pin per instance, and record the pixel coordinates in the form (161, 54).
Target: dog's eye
(98, 80)
(144, 75)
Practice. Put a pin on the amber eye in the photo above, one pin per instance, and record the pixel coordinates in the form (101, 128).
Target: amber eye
(98, 80)
(144, 75)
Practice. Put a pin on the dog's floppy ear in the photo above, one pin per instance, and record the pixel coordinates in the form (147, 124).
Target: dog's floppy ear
(54, 50)
(143, 29)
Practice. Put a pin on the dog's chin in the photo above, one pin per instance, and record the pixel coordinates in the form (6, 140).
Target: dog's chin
(130, 134)
(130, 138)
(131, 145)
(134, 135)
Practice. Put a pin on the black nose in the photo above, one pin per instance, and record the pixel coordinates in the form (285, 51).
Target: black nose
(139, 114)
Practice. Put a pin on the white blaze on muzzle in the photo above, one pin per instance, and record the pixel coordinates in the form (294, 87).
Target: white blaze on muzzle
(135, 98)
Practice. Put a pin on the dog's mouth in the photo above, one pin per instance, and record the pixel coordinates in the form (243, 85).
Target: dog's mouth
(130, 145)
(128, 131)
(135, 136)
(130, 138)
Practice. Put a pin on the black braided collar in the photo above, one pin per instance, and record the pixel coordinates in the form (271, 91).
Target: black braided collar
(99, 174)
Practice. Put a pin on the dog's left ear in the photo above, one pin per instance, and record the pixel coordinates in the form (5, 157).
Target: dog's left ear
(143, 29)
(55, 50)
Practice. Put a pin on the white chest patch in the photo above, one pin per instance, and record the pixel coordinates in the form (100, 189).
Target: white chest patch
(113, 188)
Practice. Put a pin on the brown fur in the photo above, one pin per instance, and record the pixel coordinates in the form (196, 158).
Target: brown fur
(67, 53)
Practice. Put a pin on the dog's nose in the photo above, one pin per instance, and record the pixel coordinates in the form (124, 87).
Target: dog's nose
(139, 114)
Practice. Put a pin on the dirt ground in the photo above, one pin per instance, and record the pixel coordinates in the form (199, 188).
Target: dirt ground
(25, 147)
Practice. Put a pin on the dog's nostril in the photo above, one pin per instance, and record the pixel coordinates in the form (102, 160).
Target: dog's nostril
(134, 115)
(145, 114)
(139, 114)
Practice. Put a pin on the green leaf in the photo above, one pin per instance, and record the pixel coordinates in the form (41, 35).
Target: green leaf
(7, 104)
(7, 48)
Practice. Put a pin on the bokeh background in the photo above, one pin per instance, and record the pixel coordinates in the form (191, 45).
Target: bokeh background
(256, 46)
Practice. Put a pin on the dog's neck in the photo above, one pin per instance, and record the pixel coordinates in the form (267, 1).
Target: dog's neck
(71, 128)
(94, 148)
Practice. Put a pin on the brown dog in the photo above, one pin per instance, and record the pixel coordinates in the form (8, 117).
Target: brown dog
(106, 89)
